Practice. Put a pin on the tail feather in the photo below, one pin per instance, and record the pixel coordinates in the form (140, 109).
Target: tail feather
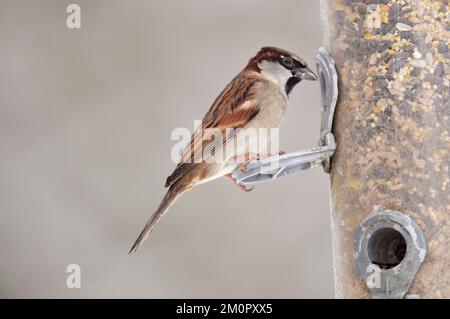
(172, 194)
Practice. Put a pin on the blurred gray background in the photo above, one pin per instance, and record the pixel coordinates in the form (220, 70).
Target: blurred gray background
(85, 124)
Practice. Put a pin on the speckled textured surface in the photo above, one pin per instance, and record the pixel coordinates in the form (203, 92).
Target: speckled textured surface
(391, 128)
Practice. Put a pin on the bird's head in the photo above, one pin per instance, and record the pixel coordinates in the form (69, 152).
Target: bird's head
(282, 67)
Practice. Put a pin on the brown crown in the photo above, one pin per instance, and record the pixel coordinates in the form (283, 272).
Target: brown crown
(270, 54)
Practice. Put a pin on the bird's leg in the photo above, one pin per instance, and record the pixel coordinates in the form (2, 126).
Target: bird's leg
(241, 186)
(247, 158)
(243, 160)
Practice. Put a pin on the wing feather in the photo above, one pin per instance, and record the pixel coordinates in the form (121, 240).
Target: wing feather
(233, 108)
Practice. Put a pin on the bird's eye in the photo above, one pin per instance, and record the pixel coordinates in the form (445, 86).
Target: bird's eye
(287, 62)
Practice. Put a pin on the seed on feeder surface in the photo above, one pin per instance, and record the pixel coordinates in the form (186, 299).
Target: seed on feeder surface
(403, 27)
(373, 59)
(382, 104)
(418, 63)
(426, 101)
(373, 17)
(429, 59)
(368, 36)
(417, 54)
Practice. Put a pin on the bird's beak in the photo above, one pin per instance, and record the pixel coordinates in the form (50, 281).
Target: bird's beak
(306, 74)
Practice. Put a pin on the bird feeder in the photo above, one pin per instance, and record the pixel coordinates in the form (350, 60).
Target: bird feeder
(390, 186)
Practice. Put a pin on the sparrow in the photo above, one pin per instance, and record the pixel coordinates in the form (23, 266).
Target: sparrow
(256, 98)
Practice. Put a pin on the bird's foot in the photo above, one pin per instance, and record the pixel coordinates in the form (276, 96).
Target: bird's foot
(243, 160)
(241, 186)
(249, 157)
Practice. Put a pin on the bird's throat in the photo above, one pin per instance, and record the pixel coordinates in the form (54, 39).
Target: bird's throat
(290, 84)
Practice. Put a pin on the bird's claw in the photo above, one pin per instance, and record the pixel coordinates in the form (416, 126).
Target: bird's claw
(242, 187)
(243, 167)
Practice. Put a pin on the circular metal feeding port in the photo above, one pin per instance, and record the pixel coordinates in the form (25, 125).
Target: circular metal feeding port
(386, 248)
(389, 249)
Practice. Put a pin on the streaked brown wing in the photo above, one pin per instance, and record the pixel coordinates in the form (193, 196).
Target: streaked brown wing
(233, 108)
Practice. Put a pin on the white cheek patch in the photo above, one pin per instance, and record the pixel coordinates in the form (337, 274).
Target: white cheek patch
(275, 72)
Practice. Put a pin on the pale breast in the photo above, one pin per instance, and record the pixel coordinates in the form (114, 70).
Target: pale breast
(273, 104)
(272, 101)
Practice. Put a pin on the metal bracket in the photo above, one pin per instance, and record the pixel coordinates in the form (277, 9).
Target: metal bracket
(278, 166)
(329, 93)
(389, 250)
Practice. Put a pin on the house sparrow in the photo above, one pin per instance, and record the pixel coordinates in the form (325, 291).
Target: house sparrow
(255, 98)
